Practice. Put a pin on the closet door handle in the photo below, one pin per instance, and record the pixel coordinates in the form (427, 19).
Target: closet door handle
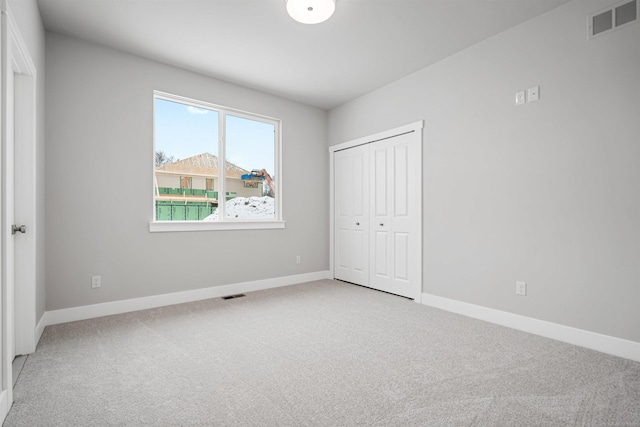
(381, 225)
(357, 223)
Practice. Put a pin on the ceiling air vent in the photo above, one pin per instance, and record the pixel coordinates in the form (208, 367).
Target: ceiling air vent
(612, 18)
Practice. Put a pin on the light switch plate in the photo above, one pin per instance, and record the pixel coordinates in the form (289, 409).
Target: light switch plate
(521, 98)
(96, 282)
(533, 94)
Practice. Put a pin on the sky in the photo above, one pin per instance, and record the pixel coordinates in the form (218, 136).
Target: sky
(183, 131)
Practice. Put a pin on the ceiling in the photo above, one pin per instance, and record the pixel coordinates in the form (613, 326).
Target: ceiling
(254, 43)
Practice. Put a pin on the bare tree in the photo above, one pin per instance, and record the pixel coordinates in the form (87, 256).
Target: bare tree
(163, 159)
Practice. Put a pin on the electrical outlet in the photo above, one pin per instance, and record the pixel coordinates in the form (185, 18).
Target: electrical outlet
(96, 281)
(297, 259)
(521, 288)
(533, 94)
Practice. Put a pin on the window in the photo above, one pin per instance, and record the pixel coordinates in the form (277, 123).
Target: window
(185, 182)
(614, 17)
(194, 189)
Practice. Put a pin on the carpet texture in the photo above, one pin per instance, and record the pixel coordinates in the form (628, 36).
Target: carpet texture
(323, 353)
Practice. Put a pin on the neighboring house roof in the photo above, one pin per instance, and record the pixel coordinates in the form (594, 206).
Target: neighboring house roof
(205, 163)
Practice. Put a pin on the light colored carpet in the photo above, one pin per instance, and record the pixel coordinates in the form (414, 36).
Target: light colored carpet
(318, 354)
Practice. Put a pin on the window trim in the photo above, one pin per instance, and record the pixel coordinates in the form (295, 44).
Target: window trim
(167, 226)
(221, 224)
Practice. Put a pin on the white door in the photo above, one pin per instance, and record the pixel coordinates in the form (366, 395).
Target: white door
(17, 202)
(8, 247)
(396, 215)
(351, 195)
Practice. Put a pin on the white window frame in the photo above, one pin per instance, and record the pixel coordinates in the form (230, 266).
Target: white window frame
(222, 223)
(614, 23)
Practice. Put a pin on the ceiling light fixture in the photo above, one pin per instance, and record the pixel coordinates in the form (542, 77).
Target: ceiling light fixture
(311, 11)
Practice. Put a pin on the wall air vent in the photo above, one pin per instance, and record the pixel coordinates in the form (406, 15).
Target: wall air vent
(619, 15)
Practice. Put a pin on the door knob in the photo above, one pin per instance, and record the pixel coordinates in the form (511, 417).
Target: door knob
(381, 225)
(357, 223)
(15, 228)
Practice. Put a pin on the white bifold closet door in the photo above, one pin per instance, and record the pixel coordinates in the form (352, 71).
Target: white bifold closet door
(351, 196)
(378, 214)
(395, 215)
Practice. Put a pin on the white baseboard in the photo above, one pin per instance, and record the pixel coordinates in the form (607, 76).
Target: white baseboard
(592, 340)
(65, 315)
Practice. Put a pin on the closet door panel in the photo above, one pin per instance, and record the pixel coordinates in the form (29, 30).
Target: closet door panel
(342, 208)
(380, 267)
(407, 216)
(342, 254)
(401, 181)
(381, 227)
(401, 256)
(397, 175)
(381, 181)
(360, 261)
(351, 232)
(360, 200)
(402, 217)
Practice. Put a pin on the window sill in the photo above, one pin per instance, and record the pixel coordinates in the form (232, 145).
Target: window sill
(170, 226)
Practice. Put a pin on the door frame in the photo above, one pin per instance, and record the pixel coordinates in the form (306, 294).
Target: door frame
(21, 330)
(412, 127)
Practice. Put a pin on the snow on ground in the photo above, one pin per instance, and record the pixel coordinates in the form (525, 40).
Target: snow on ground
(247, 208)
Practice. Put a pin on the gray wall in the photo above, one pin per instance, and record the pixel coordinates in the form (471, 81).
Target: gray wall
(99, 124)
(547, 192)
(28, 20)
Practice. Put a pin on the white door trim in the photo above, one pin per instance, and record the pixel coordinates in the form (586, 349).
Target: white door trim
(412, 127)
(21, 108)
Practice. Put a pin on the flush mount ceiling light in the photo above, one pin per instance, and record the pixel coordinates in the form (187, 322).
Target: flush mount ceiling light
(311, 11)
